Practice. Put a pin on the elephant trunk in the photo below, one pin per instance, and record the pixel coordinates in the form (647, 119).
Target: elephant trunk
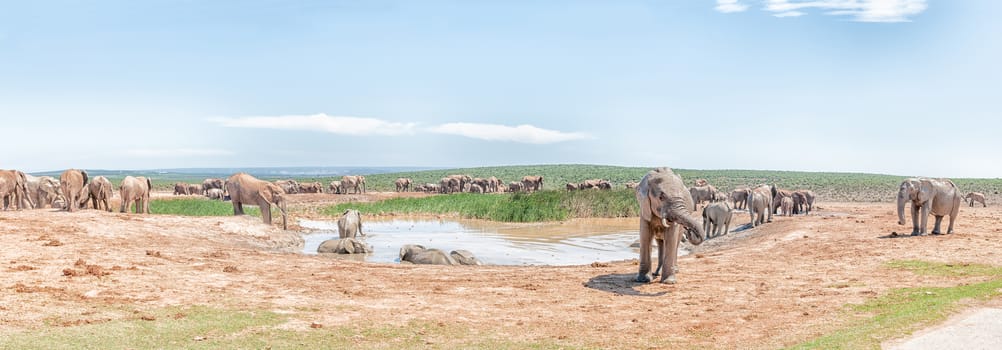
(281, 207)
(693, 231)
(901, 208)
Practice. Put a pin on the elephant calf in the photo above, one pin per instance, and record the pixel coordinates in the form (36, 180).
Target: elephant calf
(418, 254)
(716, 218)
(350, 224)
(344, 246)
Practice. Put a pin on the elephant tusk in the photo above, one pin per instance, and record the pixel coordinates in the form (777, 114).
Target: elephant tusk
(664, 222)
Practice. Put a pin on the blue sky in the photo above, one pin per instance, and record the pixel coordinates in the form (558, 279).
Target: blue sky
(906, 87)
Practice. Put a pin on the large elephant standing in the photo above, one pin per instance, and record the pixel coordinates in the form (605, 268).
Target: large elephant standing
(211, 183)
(196, 189)
(740, 196)
(14, 188)
(759, 202)
(716, 219)
(665, 204)
(350, 224)
(43, 190)
(99, 192)
(403, 184)
(532, 183)
(353, 183)
(73, 182)
(335, 187)
(137, 190)
(939, 197)
(245, 189)
(181, 189)
(493, 184)
(777, 198)
(702, 194)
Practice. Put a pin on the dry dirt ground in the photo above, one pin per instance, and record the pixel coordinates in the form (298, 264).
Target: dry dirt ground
(775, 285)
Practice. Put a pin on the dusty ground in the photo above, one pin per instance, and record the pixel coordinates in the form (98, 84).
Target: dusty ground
(775, 285)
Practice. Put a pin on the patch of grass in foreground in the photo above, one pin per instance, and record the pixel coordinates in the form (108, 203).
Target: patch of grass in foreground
(198, 207)
(202, 327)
(906, 310)
(516, 207)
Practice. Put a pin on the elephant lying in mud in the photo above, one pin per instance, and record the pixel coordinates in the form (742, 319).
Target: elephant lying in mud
(344, 246)
(418, 254)
(350, 224)
(665, 205)
(939, 197)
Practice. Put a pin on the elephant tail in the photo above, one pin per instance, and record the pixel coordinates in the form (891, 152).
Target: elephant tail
(84, 174)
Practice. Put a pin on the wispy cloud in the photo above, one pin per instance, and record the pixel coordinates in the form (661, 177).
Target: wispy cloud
(730, 6)
(789, 14)
(372, 126)
(176, 152)
(321, 122)
(495, 132)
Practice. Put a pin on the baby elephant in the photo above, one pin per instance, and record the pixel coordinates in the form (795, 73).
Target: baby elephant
(215, 193)
(350, 224)
(344, 246)
(716, 218)
(418, 254)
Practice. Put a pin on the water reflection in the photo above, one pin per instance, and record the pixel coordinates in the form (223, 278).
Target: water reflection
(572, 242)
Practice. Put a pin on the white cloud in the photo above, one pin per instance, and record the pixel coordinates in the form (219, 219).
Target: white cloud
(495, 132)
(730, 6)
(320, 122)
(789, 14)
(860, 10)
(177, 152)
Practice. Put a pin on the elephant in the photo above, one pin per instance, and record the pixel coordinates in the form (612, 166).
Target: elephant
(418, 254)
(777, 198)
(976, 197)
(532, 183)
(475, 188)
(515, 187)
(939, 197)
(571, 186)
(99, 191)
(739, 196)
(464, 257)
(700, 183)
(702, 194)
(195, 189)
(493, 184)
(335, 187)
(720, 197)
(14, 188)
(73, 182)
(289, 186)
(434, 188)
(759, 201)
(180, 189)
(245, 189)
(665, 204)
(311, 187)
(808, 201)
(716, 217)
(786, 204)
(591, 184)
(135, 189)
(352, 183)
(403, 184)
(350, 224)
(43, 190)
(215, 193)
(631, 185)
(344, 246)
(211, 183)
(483, 183)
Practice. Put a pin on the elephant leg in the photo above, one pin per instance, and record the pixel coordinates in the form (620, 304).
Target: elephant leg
(671, 242)
(915, 221)
(925, 217)
(265, 212)
(661, 257)
(935, 227)
(645, 252)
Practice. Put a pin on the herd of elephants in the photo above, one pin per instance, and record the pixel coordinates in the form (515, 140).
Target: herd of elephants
(666, 205)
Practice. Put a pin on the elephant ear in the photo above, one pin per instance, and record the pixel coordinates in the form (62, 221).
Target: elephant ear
(643, 197)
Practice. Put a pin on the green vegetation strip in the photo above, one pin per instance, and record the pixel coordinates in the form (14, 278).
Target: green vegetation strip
(517, 207)
(906, 310)
(202, 327)
(198, 207)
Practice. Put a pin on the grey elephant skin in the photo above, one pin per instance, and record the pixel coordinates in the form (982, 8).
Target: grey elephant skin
(99, 191)
(344, 246)
(73, 182)
(418, 254)
(758, 204)
(14, 189)
(350, 224)
(665, 206)
(716, 219)
(246, 189)
(464, 257)
(939, 197)
(135, 190)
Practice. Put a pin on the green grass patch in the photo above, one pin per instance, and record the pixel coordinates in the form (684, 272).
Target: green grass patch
(202, 327)
(515, 207)
(906, 310)
(198, 207)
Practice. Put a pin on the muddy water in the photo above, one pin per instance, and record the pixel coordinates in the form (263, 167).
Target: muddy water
(573, 242)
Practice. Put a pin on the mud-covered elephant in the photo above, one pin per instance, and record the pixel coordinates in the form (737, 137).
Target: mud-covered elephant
(777, 198)
(211, 183)
(344, 246)
(99, 191)
(515, 186)
(976, 197)
(759, 203)
(350, 224)
(335, 187)
(464, 257)
(786, 205)
(311, 187)
(289, 186)
(72, 182)
(939, 197)
(14, 189)
(195, 189)
(418, 254)
(351, 183)
(181, 189)
(570, 186)
(43, 190)
(532, 183)
(403, 184)
(740, 197)
(215, 194)
(135, 190)
(716, 219)
(483, 183)
(246, 189)
(494, 184)
(702, 194)
(665, 207)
